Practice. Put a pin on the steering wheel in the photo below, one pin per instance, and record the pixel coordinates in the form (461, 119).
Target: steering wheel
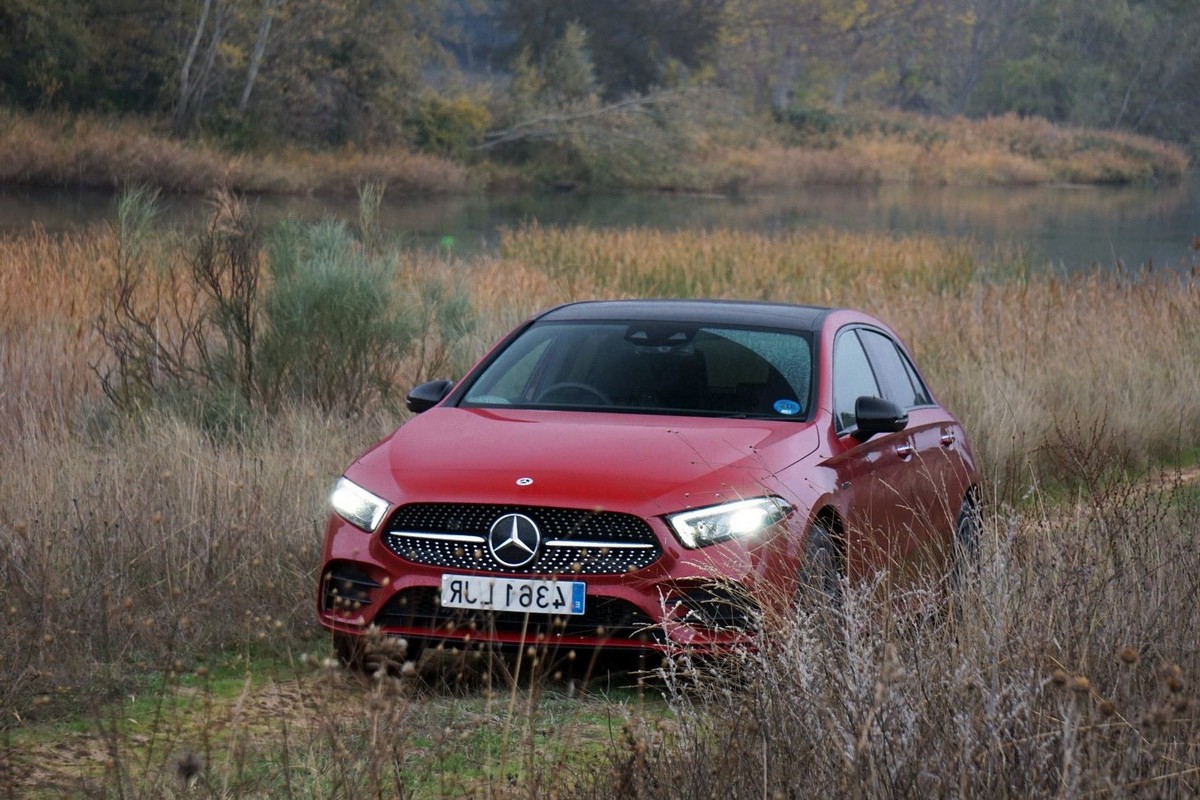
(571, 386)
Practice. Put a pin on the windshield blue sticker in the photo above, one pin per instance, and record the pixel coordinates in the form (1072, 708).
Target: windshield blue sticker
(789, 407)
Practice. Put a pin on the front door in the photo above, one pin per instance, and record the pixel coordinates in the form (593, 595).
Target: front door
(873, 477)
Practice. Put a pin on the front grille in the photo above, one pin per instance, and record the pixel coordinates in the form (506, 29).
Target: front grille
(605, 617)
(574, 541)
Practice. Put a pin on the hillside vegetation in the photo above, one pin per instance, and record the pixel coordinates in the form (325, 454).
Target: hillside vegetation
(699, 95)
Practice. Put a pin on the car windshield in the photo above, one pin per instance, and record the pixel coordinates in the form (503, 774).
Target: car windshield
(651, 367)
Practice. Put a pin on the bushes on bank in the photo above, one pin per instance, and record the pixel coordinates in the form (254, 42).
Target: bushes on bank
(248, 321)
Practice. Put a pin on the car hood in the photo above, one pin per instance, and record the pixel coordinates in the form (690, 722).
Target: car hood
(638, 463)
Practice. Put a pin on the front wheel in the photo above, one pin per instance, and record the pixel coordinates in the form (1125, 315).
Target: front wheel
(369, 653)
(822, 571)
(350, 650)
(967, 532)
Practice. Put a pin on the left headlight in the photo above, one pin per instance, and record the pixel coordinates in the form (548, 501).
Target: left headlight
(705, 526)
(357, 506)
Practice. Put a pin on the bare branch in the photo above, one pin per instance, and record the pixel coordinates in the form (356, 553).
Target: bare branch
(546, 126)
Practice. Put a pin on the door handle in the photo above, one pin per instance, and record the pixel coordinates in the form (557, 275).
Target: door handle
(948, 439)
(905, 451)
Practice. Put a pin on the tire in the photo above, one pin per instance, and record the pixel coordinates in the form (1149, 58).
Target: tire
(822, 571)
(359, 654)
(967, 531)
(351, 651)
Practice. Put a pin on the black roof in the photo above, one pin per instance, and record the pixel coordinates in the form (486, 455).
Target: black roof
(727, 312)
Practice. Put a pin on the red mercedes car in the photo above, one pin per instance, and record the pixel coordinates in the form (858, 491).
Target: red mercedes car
(646, 474)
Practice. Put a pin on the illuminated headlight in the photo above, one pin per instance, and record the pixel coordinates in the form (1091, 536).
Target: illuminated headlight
(357, 506)
(707, 526)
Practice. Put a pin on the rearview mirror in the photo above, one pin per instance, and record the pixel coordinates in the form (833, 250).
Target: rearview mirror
(875, 415)
(427, 395)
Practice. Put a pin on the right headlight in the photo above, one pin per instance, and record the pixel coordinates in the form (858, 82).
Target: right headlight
(357, 506)
(741, 518)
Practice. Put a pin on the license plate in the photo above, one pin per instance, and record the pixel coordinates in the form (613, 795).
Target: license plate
(513, 594)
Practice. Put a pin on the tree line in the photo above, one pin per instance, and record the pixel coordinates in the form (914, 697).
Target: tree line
(369, 72)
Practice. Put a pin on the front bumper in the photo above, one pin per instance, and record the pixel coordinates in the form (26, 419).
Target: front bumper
(676, 602)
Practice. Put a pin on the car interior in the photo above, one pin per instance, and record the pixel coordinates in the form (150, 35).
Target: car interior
(699, 371)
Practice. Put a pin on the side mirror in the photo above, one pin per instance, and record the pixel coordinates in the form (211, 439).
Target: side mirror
(427, 395)
(875, 415)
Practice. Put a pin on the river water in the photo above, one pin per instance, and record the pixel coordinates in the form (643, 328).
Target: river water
(1059, 228)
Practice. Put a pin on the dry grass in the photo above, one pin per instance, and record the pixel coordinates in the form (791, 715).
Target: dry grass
(898, 148)
(341, 172)
(1037, 368)
(128, 545)
(1077, 155)
(1067, 668)
(50, 150)
(814, 266)
(56, 150)
(153, 544)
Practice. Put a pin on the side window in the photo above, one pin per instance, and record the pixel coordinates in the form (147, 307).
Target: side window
(892, 370)
(852, 378)
(922, 393)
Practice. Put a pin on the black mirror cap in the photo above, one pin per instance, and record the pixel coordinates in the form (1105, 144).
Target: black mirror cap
(427, 395)
(875, 415)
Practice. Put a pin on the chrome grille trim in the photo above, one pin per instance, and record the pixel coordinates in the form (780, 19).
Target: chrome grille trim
(599, 545)
(464, 538)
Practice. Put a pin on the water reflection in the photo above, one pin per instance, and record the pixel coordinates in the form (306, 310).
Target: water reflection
(1063, 227)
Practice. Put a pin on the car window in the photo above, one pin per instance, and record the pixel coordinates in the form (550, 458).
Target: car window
(852, 378)
(513, 382)
(892, 370)
(923, 398)
(652, 367)
(776, 366)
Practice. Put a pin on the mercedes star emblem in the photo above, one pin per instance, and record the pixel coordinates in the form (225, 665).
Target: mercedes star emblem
(514, 539)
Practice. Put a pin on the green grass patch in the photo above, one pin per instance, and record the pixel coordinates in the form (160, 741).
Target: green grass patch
(258, 725)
